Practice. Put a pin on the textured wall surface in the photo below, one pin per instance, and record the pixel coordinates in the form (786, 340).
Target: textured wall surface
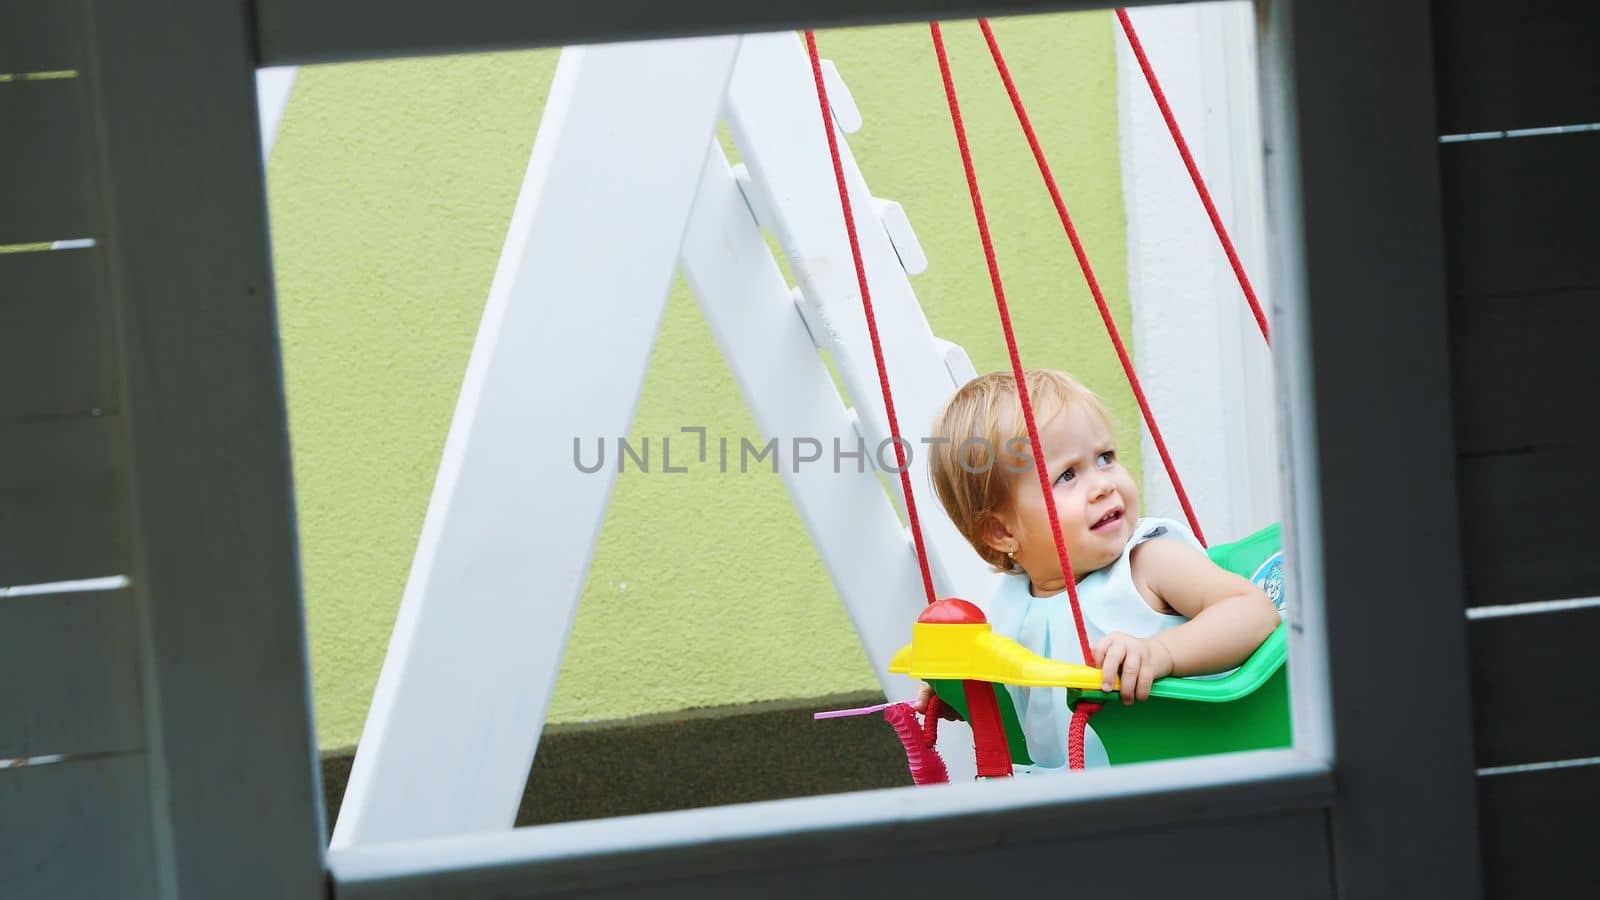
(391, 186)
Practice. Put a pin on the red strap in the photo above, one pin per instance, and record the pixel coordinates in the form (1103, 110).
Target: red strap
(1088, 276)
(1194, 172)
(872, 322)
(992, 754)
(1016, 359)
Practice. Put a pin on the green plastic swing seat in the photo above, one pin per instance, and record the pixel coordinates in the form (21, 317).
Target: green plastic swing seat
(1247, 709)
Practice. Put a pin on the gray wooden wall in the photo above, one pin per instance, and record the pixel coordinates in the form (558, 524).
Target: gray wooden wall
(69, 660)
(161, 711)
(1522, 247)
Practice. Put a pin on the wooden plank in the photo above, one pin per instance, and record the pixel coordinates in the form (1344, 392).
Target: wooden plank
(496, 581)
(40, 36)
(216, 580)
(1525, 529)
(1361, 342)
(56, 352)
(1539, 833)
(753, 318)
(752, 315)
(1532, 692)
(1518, 213)
(59, 501)
(77, 828)
(769, 100)
(48, 179)
(1288, 854)
(1024, 837)
(1520, 364)
(301, 31)
(1515, 65)
(72, 663)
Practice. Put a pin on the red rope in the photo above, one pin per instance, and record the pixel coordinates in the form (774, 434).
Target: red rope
(1088, 276)
(1194, 172)
(1080, 718)
(1011, 338)
(1080, 715)
(872, 322)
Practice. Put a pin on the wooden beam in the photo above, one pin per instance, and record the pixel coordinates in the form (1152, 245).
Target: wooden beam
(232, 760)
(1360, 282)
(300, 31)
(571, 318)
(1011, 837)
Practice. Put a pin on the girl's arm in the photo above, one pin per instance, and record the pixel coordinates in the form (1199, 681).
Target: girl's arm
(1228, 616)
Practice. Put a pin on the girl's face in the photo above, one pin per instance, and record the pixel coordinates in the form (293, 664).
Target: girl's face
(1096, 501)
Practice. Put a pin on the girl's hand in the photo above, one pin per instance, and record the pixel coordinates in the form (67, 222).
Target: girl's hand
(925, 696)
(1136, 662)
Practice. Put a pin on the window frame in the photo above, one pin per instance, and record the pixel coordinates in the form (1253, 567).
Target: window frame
(1387, 778)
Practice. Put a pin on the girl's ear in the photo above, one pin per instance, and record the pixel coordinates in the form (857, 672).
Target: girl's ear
(997, 534)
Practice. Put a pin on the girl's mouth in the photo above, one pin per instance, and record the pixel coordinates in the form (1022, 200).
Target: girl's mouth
(1108, 520)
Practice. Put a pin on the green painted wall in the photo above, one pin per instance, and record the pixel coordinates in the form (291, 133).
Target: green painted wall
(391, 186)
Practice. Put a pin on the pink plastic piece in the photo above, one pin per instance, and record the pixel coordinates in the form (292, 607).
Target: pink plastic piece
(858, 711)
(927, 767)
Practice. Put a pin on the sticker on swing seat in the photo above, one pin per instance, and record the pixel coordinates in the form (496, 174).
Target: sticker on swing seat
(1269, 577)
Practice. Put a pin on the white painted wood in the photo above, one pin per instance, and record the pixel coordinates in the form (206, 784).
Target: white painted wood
(1310, 657)
(1197, 347)
(787, 388)
(787, 156)
(901, 235)
(273, 87)
(753, 199)
(77, 828)
(71, 661)
(840, 101)
(769, 348)
(956, 361)
(561, 354)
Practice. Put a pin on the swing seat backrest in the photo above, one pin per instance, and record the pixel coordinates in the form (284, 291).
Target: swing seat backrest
(1247, 709)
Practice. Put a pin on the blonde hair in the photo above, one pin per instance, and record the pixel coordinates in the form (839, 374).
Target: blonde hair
(980, 440)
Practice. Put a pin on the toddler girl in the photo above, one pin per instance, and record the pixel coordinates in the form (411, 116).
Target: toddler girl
(1153, 603)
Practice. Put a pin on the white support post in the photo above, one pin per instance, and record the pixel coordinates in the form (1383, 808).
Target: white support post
(560, 355)
(772, 113)
(1199, 354)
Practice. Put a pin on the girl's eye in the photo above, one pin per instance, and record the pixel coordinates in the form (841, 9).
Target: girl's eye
(1064, 477)
(1107, 458)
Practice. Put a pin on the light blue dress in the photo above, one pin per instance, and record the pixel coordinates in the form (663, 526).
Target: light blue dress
(1044, 625)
